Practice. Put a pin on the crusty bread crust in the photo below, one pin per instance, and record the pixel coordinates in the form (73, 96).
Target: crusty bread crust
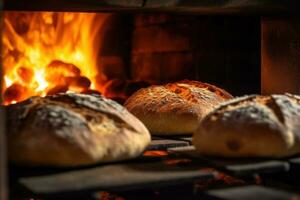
(71, 130)
(251, 126)
(175, 108)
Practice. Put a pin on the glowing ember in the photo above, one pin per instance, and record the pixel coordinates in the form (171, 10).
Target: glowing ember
(181, 161)
(46, 53)
(155, 153)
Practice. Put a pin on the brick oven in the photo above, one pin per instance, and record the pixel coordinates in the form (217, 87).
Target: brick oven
(115, 47)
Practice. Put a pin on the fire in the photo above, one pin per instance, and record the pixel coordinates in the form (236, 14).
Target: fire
(46, 53)
(155, 153)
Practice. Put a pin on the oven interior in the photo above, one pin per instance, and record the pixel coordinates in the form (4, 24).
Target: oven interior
(117, 53)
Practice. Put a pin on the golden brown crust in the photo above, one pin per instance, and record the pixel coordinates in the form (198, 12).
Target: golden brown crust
(72, 130)
(212, 88)
(251, 126)
(175, 108)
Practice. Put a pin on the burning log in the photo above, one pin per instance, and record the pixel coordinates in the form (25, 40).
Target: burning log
(80, 83)
(115, 87)
(155, 153)
(58, 70)
(90, 91)
(58, 89)
(15, 92)
(45, 54)
(25, 74)
(67, 69)
(100, 81)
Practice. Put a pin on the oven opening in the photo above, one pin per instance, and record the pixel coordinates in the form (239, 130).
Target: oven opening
(116, 54)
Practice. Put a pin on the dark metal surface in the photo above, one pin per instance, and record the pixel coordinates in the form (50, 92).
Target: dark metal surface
(3, 164)
(163, 166)
(240, 167)
(72, 5)
(112, 177)
(295, 162)
(165, 144)
(201, 7)
(224, 6)
(252, 193)
(263, 167)
(155, 169)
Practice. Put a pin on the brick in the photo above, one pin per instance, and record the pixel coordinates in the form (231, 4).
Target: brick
(161, 38)
(162, 66)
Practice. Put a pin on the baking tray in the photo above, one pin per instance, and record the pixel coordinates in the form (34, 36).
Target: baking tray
(162, 165)
(154, 169)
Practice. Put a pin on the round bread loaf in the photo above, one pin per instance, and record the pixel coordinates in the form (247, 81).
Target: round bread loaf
(251, 126)
(72, 130)
(175, 108)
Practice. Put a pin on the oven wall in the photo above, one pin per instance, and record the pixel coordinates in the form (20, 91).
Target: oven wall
(223, 50)
(280, 55)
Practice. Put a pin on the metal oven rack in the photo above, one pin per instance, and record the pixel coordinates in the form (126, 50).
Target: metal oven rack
(168, 163)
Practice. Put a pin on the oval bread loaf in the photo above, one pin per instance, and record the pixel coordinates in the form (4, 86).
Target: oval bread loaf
(252, 126)
(71, 130)
(175, 108)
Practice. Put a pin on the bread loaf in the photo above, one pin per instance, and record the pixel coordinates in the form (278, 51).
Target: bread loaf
(72, 130)
(175, 108)
(251, 126)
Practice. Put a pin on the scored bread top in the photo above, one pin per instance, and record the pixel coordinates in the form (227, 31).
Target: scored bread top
(164, 108)
(207, 86)
(257, 109)
(255, 125)
(73, 129)
(176, 97)
(65, 108)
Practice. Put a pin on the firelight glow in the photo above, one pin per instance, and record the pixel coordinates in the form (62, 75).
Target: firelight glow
(47, 52)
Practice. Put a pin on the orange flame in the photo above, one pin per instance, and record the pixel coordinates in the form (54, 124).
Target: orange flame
(47, 52)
